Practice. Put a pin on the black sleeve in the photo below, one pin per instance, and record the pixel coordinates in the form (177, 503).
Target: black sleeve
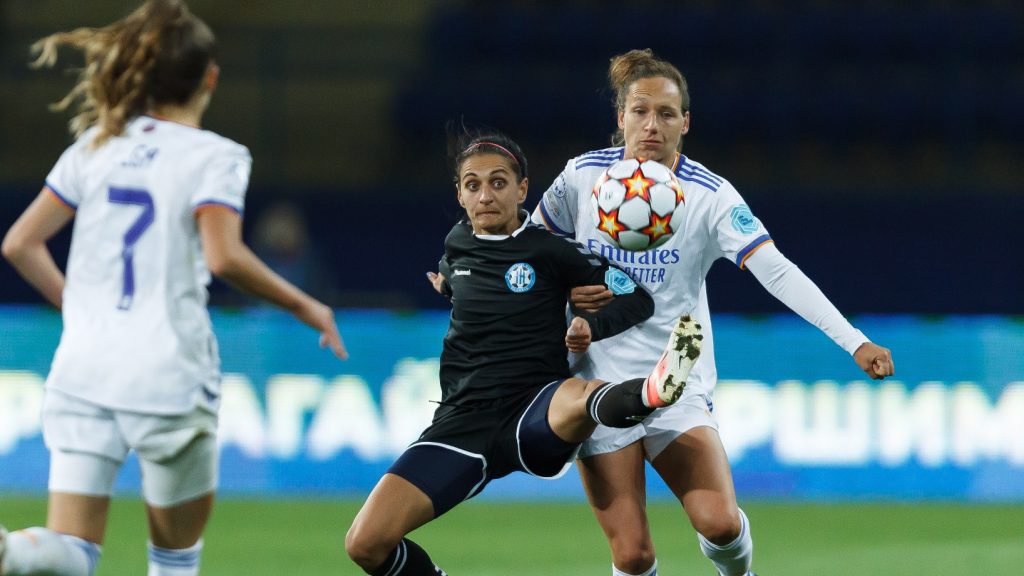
(626, 310)
(632, 303)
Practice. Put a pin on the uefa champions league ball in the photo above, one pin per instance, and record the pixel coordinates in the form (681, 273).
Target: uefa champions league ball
(637, 204)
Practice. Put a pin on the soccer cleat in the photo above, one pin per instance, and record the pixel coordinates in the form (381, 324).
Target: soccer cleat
(3, 546)
(666, 383)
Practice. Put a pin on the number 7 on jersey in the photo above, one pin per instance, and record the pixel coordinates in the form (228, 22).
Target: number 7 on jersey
(137, 197)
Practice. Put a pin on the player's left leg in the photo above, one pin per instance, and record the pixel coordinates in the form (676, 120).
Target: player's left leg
(696, 468)
(85, 455)
(69, 545)
(578, 405)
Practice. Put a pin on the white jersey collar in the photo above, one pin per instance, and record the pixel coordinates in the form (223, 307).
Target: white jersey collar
(526, 220)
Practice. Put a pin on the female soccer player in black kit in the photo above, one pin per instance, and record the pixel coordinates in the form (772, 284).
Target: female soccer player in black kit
(508, 401)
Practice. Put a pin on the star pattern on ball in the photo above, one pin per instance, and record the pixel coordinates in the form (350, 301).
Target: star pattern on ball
(638, 186)
(658, 227)
(609, 223)
(680, 199)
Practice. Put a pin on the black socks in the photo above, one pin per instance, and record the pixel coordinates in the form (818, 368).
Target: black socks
(408, 559)
(618, 405)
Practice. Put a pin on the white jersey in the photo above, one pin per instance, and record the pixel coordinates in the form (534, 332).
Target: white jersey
(718, 224)
(137, 335)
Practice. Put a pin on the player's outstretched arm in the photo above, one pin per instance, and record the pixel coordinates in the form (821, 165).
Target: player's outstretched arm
(794, 289)
(231, 260)
(24, 245)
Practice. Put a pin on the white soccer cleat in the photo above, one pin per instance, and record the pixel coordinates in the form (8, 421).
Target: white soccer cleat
(666, 383)
(3, 546)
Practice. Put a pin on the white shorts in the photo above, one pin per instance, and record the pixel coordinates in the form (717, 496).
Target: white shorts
(88, 444)
(657, 430)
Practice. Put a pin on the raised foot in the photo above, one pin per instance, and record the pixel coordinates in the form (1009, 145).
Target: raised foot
(668, 380)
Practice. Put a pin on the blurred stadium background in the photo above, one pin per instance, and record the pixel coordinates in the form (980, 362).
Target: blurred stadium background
(880, 144)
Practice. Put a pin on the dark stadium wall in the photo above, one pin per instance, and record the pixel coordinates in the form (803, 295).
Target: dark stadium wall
(879, 145)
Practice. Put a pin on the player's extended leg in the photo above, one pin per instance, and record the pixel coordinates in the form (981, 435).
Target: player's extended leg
(376, 540)
(696, 468)
(69, 545)
(615, 486)
(578, 405)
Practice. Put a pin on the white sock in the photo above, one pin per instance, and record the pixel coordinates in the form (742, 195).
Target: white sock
(167, 562)
(652, 571)
(42, 551)
(734, 558)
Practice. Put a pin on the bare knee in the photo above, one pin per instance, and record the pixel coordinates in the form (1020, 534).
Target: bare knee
(365, 548)
(590, 385)
(720, 527)
(633, 556)
(568, 414)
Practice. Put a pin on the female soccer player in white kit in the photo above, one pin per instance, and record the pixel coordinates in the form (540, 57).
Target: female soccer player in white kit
(157, 206)
(680, 441)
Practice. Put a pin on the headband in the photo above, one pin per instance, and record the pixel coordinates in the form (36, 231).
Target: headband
(487, 143)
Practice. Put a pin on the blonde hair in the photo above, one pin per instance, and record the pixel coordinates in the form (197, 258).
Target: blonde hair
(157, 54)
(625, 69)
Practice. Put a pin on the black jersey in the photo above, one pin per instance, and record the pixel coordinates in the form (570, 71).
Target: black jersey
(508, 321)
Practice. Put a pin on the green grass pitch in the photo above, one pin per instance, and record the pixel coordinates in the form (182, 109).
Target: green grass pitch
(485, 538)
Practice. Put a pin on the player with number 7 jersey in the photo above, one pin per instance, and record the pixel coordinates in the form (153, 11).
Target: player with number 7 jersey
(157, 204)
(136, 264)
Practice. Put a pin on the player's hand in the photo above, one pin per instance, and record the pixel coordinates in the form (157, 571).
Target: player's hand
(874, 360)
(437, 281)
(590, 298)
(577, 338)
(321, 318)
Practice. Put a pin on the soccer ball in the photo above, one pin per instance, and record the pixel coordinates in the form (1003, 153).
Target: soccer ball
(638, 204)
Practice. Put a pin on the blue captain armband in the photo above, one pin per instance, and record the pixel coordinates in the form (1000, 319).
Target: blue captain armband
(619, 282)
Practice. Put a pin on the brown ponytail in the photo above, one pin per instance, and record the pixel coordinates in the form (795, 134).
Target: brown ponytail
(156, 54)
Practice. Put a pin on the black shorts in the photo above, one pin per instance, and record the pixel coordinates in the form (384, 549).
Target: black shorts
(468, 446)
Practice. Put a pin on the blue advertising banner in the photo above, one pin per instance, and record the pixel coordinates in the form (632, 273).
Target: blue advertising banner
(797, 417)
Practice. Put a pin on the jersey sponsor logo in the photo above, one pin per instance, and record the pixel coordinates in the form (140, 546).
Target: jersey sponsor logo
(743, 220)
(462, 272)
(653, 257)
(520, 277)
(648, 267)
(619, 282)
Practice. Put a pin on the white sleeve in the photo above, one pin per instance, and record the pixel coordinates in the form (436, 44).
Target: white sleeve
(557, 207)
(224, 179)
(735, 229)
(794, 289)
(65, 176)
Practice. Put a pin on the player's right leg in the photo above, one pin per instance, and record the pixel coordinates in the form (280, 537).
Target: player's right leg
(431, 477)
(615, 486)
(376, 540)
(178, 457)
